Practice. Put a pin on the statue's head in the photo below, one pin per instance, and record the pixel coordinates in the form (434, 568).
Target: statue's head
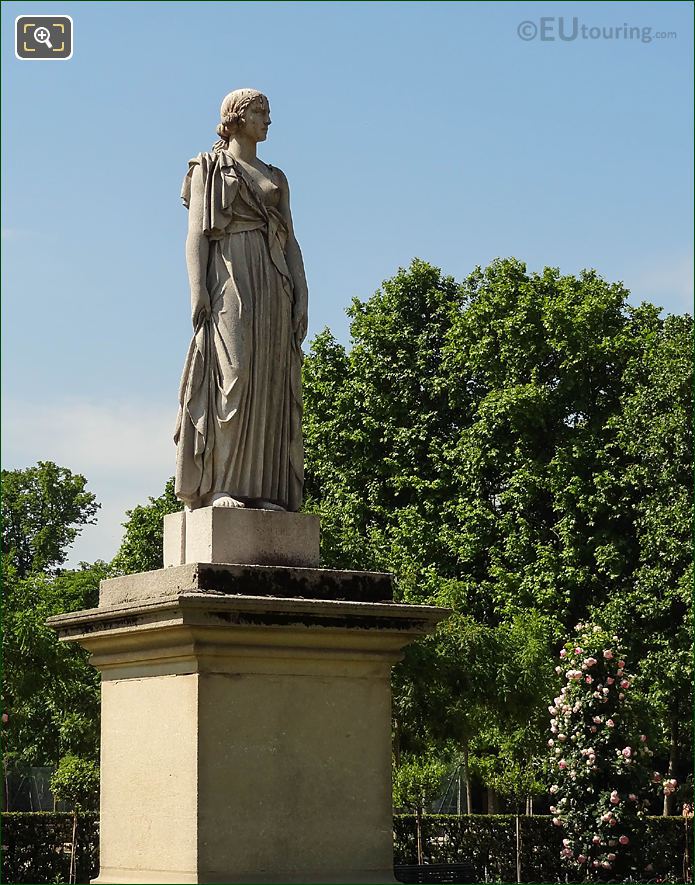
(244, 109)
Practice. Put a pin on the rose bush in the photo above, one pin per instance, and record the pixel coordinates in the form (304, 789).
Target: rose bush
(603, 772)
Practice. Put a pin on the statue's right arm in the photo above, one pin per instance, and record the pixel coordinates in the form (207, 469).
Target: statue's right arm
(197, 249)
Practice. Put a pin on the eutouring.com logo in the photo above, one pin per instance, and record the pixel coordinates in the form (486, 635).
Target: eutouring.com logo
(550, 28)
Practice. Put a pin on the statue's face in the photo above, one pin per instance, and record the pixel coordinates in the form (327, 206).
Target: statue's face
(257, 121)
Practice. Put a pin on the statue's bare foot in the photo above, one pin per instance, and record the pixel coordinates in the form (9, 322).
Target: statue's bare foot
(262, 504)
(222, 499)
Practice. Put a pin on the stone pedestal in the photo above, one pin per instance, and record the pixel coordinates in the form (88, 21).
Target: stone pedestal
(253, 537)
(246, 727)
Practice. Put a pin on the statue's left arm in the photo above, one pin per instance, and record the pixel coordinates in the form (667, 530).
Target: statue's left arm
(295, 263)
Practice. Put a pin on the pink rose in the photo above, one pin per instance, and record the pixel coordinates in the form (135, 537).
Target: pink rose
(563, 653)
(615, 800)
(624, 840)
(578, 651)
(621, 696)
(562, 764)
(612, 822)
(607, 654)
(593, 729)
(551, 742)
(624, 683)
(562, 737)
(557, 822)
(632, 797)
(597, 720)
(621, 664)
(610, 680)
(643, 738)
(588, 680)
(627, 752)
(581, 858)
(596, 840)
(610, 723)
(611, 857)
(554, 788)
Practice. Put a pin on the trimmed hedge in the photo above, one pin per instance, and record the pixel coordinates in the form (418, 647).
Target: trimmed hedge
(488, 842)
(36, 846)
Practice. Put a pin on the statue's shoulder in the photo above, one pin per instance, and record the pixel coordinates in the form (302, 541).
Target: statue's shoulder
(205, 160)
(200, 165)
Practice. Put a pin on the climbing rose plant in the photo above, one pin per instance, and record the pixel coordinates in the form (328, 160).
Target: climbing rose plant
(602, 763)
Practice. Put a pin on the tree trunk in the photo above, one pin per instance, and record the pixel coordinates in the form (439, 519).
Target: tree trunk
(418, 828)
(492, 807)
(672, 765)
(466, 775)
(687, 872)
(73, 850)
(518, 847)
(396, 743)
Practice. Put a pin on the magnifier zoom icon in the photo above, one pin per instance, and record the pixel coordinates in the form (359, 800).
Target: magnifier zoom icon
(43, 35)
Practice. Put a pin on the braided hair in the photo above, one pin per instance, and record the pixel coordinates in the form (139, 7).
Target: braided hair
(232, 112)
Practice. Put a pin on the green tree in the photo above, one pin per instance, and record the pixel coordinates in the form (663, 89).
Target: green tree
(76, 782)
(416, 784)
(466, 442)
(647, 475)
(50, 691)
(142, 547)
(43, 510)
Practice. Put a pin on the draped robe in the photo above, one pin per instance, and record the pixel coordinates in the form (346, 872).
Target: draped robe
(238, 429)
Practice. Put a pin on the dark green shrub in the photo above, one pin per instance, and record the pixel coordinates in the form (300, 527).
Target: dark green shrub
(36, 846)
(488, 842)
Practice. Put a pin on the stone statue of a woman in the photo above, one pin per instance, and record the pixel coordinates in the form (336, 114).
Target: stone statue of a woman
(238, 431)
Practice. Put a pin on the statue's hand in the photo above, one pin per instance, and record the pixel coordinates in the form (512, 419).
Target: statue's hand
(299, 323)
(200, 307)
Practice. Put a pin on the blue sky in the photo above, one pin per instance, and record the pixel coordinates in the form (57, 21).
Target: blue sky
(406, 129)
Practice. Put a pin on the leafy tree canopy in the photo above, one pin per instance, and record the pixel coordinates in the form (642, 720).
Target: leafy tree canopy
(44, 508)
(514, 446)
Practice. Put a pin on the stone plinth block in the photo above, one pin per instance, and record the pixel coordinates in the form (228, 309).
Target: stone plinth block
(246, 737)
(243, 536)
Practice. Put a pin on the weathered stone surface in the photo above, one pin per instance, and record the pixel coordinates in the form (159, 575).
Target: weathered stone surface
(245, 738)
(245, 580)
(252, 537)
(238, 433)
